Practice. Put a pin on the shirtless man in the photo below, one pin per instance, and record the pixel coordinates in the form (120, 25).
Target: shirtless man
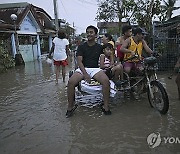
(127, 32)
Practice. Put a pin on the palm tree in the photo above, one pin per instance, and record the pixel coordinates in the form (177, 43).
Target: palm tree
(169, 7)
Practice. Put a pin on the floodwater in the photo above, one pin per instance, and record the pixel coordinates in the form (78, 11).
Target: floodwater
(32, 119)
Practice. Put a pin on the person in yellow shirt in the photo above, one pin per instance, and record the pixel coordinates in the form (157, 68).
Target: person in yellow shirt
(134, 45)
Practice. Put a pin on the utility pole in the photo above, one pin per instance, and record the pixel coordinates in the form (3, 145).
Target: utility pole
(73, 32)
(56, 16)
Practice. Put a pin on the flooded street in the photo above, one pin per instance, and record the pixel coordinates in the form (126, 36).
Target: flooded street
(32, 119)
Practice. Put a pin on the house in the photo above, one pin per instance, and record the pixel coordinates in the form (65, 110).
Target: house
(24, 28)
(69, 30)
(63, 24)
(110, 27)
(105, 26)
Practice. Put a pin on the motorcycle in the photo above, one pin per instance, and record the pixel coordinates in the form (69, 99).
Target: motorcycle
(146, 81)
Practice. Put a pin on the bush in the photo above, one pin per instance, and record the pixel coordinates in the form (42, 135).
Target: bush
(6, 61)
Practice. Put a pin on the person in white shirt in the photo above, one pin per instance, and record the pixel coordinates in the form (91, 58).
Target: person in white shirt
(60, 49)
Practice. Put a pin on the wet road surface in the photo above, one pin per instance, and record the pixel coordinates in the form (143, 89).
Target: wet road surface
(32, 118)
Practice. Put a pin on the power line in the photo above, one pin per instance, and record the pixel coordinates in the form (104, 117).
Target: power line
(64, 8)
(84, 4)
(87, 2)
(82, 28)
(66, 12)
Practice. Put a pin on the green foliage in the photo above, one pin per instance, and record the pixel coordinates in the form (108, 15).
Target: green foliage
(83, 35)
(161, 47)
(6, 61)
(110, 10)
(113, 31)
(167, 9)
(141, 12)
(106, 10)
(145, 13)
(115, 10)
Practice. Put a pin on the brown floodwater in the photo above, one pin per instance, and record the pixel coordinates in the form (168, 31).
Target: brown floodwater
(32, 118)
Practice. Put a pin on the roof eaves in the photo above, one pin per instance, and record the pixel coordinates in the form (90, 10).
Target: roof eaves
(24, 13)
(13, 5)
(33, 11)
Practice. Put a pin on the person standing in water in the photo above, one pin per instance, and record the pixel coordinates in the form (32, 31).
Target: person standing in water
(60, 50)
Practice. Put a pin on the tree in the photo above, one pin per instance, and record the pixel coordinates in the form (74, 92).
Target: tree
(114, 10)
(168, 8)
(145, 13)
(6, 61)
(139, 12)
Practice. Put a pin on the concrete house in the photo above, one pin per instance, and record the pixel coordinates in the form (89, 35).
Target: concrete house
(26, 33)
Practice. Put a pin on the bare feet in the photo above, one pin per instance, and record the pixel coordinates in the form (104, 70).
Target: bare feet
(105, 109)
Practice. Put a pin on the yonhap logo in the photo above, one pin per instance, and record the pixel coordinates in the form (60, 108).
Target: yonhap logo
(154, 140)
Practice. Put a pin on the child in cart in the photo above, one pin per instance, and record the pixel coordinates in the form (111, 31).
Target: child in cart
(113, 70)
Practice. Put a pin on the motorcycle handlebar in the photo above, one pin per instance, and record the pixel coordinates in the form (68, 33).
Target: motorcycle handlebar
(154, 54)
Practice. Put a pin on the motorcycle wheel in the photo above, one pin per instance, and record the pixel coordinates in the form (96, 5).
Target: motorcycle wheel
(160, 100)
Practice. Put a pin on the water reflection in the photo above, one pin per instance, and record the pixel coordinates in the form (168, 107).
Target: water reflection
(32, 118)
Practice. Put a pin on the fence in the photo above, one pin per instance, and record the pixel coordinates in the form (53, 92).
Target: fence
(170, 50)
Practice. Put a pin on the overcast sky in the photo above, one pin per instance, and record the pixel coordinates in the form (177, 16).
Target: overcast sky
(81, 12)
